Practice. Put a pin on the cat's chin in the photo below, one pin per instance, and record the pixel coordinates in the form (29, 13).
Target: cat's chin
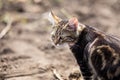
(70, 44)
(62, 44)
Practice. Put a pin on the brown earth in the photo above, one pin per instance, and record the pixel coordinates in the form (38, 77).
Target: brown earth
(26, 51)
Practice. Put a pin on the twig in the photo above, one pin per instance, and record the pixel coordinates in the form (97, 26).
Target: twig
(21, 74)
(5, 30)
(57, 75)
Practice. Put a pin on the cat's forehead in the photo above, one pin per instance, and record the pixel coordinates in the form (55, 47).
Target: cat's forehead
(63, 22)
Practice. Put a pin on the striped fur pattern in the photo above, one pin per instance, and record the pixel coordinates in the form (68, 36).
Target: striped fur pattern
(97, 54)
(62, 34)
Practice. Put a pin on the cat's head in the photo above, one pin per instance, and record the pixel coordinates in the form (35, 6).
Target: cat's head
(65, 31)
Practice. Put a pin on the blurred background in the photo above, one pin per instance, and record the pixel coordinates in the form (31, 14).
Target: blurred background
(26, 51)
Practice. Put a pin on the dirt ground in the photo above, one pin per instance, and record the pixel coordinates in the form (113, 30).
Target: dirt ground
(26, 51)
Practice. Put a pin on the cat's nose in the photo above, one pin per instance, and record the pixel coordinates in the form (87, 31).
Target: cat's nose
(57, 41)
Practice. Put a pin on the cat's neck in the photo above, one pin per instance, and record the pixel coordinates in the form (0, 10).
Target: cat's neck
(88, 34)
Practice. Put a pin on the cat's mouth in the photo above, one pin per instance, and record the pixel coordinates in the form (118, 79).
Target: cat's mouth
(70, 42)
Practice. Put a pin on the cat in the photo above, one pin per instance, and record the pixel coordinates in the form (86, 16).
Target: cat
(97, 53)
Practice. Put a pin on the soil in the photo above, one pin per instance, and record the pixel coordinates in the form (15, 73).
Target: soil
(26, 51)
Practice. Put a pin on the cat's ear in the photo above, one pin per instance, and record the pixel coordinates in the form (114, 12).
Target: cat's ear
(73, 23)
(53, 18)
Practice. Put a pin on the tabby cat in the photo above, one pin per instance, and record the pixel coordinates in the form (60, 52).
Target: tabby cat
(97, 54)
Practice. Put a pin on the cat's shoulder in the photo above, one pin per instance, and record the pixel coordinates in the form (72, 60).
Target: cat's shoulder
(108, 43)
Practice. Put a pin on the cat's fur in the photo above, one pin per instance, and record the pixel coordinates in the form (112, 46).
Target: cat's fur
(97, 54)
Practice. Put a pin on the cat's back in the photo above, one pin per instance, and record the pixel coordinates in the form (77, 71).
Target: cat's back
(114, 42)
(105, 56)
(104, 39)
